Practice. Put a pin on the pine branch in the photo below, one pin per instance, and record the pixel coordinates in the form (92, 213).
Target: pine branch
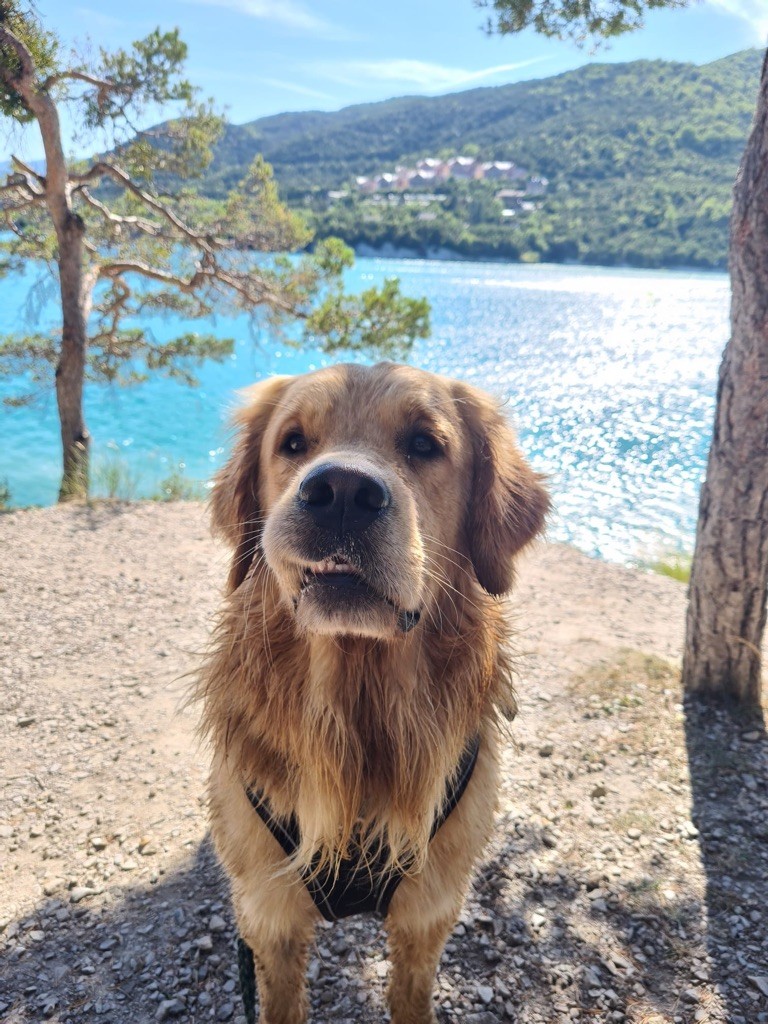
(103, 169)
(115, 218)
(15, 187)
(102, 84)
(28, 171)
(116, 270)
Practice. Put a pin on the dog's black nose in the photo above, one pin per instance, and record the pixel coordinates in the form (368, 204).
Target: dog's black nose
(343, 499)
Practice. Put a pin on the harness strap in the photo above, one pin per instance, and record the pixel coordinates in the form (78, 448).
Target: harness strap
(246, 970)
(356, 888)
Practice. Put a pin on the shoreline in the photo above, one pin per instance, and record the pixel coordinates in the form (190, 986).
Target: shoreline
(445, 254)
(658, 562)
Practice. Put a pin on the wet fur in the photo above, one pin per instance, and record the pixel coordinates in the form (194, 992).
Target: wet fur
(357, 734)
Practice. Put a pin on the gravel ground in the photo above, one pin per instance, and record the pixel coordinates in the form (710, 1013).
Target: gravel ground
(627, 879)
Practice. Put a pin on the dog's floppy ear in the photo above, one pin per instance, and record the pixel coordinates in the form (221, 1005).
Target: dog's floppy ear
(234, 502)
(508, 503)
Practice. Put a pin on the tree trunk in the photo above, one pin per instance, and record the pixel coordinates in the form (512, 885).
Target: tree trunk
(75, 290)
(727, 595)
(70, 372)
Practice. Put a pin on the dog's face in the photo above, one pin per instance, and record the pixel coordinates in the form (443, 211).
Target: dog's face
(373, 492)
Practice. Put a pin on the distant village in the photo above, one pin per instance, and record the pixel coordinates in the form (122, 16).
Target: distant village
(431, 171)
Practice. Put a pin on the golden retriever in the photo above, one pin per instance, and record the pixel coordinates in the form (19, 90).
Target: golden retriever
(360, 665)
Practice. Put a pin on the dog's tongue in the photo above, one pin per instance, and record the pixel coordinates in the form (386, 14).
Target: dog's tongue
(407, 620)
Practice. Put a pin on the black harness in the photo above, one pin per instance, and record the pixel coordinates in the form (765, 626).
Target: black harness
(353, 888)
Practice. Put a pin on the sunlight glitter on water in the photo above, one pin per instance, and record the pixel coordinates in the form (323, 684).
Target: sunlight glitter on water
(609, 375)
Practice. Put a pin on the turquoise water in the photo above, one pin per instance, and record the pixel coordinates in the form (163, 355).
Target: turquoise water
(609, 374)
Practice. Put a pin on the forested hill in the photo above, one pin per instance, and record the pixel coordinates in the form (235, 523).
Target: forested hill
(641, 159)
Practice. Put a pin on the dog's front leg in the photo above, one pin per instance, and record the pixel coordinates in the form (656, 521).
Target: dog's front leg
(415, 954)
(281, 964)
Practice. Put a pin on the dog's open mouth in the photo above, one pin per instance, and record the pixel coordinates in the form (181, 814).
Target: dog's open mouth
(337, 586)
(334, 572)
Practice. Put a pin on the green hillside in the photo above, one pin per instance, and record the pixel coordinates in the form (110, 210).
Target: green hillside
(641, 159)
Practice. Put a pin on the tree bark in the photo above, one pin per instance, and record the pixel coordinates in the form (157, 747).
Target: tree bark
(727, 594)
(75, 290)
(70, 371)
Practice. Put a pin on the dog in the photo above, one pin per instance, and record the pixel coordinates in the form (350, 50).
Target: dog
(360, 669)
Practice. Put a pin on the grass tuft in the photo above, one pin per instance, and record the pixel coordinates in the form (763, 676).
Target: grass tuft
(178, 487)
(114, 479)
(675, 566)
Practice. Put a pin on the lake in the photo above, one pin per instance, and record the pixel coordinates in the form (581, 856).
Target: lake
(610, 376)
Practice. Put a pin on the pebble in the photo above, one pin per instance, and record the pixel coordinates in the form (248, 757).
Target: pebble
(81, 892)
(485, 993)
(169, 1008)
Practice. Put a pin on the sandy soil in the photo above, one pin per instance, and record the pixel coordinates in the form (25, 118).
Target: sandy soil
(627, 880)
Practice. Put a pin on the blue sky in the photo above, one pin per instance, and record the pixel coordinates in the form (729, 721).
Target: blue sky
(258, 57)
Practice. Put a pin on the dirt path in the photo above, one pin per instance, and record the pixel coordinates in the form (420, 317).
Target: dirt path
(628, 879)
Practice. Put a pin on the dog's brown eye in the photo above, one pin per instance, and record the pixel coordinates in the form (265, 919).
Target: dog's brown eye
(294, 444)
(423, 446)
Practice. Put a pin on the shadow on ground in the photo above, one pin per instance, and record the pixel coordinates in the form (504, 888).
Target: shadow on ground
(537, 946)
(728, 764)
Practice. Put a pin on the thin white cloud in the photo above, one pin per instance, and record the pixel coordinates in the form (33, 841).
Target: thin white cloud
(301, 90)
(212, 75)
(754, 12)
(287, 13)
(422, 75)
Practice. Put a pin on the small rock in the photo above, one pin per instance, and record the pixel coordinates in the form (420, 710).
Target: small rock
(599, 791)
(225, 1011)
(80, 892)
(485, 992)
(169, 1008)
(753, 736)
(147, 847)
(25, 720)
(204, 943)
(546, 750)
(98, 843)
(217, 924)
(760, 982)
(634, 834)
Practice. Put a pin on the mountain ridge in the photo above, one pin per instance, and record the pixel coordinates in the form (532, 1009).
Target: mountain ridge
(641, 158)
